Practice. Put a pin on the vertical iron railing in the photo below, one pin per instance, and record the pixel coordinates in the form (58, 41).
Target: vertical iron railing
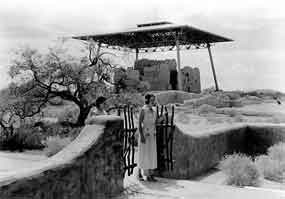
(165, 131)
(129, 138)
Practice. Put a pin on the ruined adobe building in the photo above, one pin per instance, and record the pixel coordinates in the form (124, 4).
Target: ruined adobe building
(160, 37)
(191, 79)
(161, 75)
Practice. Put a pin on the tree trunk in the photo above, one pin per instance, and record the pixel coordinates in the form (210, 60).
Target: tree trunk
(82, 115)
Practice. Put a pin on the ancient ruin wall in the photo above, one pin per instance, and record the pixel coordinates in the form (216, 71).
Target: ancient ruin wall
(195, 154)
(191, 79)
(160, 74)
(157, 72)
(90, 167)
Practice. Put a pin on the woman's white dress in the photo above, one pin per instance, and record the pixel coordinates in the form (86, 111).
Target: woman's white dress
(147, 155)
(95, 112)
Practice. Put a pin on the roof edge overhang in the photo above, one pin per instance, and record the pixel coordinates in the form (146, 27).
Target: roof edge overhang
(129, 38)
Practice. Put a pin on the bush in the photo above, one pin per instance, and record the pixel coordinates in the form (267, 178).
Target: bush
(68, 115)
(272, 165)
(54, 144)
(240, 170)
(26, 138)
(57, 129)
(271, 169)
(277, 152)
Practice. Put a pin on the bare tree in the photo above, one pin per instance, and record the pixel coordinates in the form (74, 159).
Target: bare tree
(40, 77)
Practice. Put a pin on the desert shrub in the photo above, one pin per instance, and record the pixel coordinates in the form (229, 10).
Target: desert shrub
(74, 132)
(272, 165)
(271, 169)
(68, 115)
(240, 170)
(277, 152)
(61, 129)
(54, 144)
(25, 138)
(56, 129)
(12, 142)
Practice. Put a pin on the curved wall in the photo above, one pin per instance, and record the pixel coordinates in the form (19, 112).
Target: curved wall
(89, 167)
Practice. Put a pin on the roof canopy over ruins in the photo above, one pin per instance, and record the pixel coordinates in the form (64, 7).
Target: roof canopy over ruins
(159, 36)
(155, 36)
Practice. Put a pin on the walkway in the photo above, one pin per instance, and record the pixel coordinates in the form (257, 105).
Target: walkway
(163, 189)
(185, 189)
(182, 189)
(10, 161)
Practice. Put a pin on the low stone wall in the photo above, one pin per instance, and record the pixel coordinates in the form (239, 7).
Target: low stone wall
(173, 96)
(90, 167)
(194, 155)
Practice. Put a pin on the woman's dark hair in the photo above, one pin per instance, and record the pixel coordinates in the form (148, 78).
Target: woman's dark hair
(147, 98)
(100, 100)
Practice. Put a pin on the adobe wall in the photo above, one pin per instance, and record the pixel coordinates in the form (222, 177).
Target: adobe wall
(89, 167)
(194, 154)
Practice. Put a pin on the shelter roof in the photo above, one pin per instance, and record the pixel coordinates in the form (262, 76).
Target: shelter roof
(157, 34)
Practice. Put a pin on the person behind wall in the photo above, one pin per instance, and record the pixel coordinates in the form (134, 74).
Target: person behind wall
(99, 109)
(147, 153)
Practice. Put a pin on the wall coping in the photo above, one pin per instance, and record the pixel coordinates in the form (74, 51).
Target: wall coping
(221, 129)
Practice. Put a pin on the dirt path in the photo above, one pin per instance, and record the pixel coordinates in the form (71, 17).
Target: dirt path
(10, 161)
(182, 189)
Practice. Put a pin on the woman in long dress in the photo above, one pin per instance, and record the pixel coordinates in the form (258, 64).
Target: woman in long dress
(99, 108)
(147, 155)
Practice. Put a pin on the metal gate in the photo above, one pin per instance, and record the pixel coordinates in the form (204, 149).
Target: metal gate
(129, 138)
(165, 130)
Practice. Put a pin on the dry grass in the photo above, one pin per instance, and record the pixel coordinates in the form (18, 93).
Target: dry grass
(240, 170)
(272, 165)
(271, 169)
(277, 152)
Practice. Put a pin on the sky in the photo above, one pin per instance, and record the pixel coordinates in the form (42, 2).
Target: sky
(254, 60)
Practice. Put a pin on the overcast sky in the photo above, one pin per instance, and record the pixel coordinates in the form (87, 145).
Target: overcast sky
(254, 60)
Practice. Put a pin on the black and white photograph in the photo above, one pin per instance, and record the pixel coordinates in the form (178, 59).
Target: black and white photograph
(142, 99)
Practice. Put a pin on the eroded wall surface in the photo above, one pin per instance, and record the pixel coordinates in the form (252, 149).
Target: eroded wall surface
(89, 167)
